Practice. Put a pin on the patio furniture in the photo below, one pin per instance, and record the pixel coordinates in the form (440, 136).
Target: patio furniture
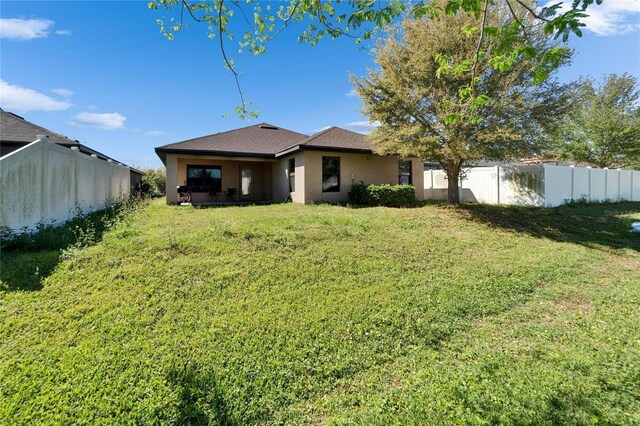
(215, 198)
(230, 193)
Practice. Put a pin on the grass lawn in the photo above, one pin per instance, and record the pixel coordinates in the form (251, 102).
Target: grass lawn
(323, 314)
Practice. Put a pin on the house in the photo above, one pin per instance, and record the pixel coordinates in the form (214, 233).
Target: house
(47, 178)
(264, 162)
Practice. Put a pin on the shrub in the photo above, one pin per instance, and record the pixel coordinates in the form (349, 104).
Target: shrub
(154, 182)
(392, 195)
(383, 195)
(359, 194)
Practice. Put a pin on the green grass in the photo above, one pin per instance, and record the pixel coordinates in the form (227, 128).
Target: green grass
(324, 314)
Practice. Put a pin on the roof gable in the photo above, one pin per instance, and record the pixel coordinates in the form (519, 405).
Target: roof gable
(335, 137)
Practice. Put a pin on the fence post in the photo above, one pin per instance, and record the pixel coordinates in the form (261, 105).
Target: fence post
(76, 183)
(573, 168)
(498, 184)
(619, 183)
(44, 206)
(96, 183)
(606, 184)
(589, 195)
(110, 191)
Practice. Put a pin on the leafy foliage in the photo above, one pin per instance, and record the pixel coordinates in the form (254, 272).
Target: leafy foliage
(154, 181)
(603, 127)
(383, 195)
(359, 194)
(422, 93)
(358, 19)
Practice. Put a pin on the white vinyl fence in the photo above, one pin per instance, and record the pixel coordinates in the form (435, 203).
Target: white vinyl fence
(543, 185)
(50, 184)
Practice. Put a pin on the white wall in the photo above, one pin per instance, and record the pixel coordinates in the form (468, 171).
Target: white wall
(545, 185)
(521, 185)
(50, 184)
(563, 184)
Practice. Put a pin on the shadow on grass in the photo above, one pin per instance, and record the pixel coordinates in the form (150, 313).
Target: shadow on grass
(590, 225)
(29, 258)
(200, 401)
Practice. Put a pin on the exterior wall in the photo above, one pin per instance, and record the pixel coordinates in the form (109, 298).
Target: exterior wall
(134, 179)
(354, 168)
(230, 167)
(46, 183)
(281, 179)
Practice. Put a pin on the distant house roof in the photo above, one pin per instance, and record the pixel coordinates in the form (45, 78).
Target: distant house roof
(14, 128)
(16, 131)
(267, 141)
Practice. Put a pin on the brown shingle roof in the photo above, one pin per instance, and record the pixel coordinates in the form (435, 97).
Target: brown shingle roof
(16, 131)
(335, 137)
(260, 139)
(14, 128)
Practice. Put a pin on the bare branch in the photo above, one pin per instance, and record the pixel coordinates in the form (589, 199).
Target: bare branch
(236, 76)
(237, 3)
(480, 38)
(186, 4)
(515, 17)
(286, 22)
(532, 11)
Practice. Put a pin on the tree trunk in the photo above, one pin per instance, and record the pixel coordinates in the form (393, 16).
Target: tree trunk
(453, 181)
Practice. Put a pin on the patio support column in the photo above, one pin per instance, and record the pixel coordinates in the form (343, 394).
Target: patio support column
(172, 179)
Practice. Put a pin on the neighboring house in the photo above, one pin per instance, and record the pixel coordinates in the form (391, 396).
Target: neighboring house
(47, 178)
(268, 163)
(16, 132)
(135, 178)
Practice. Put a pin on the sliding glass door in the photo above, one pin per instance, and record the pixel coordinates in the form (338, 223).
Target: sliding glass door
(246, 183)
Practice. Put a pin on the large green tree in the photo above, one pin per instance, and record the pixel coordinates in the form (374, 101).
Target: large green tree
(603, 127)
(254, 23)
(417, 94)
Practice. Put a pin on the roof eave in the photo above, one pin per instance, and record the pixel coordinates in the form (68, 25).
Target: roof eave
(165, 151)
(323, 148)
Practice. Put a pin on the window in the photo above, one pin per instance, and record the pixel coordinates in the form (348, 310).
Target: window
(404, 172)
(330, 174)
(292, 175)
(204, 178)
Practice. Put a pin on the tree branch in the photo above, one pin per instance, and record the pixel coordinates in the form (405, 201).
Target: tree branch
(186, 4)
(515, 17)
(532, 12)
(236, 76)
(285, 22)
(480, 38)
(244, 15)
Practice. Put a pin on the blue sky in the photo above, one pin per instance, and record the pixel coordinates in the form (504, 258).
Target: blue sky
(102, 73)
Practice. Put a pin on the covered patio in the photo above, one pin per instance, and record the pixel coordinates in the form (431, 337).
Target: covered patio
(224, 181)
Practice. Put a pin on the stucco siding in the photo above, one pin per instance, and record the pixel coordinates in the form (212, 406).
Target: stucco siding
(271, 178)
(230, 168)
(367, 168)
(281, 182)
